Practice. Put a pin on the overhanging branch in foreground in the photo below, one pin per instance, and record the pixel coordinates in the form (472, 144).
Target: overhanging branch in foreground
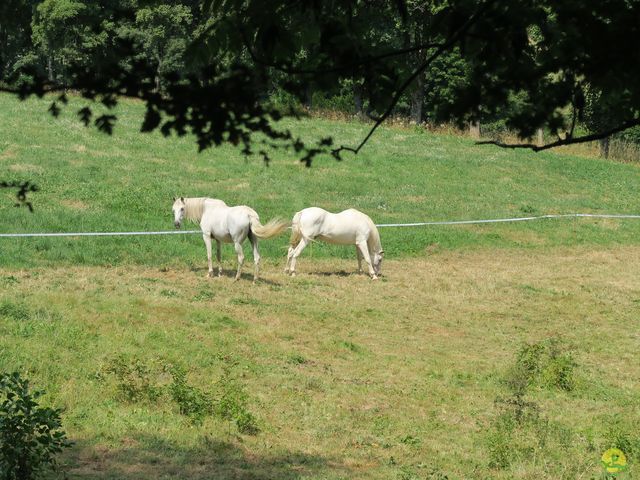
(565, 141)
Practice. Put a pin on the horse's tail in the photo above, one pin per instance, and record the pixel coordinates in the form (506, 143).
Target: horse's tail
(272, 228)
(296, 232)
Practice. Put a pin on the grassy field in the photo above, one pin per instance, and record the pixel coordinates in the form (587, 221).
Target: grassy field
(495, 351)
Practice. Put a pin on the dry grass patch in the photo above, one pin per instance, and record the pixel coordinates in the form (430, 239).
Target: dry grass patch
(25, 168)
(74, 204)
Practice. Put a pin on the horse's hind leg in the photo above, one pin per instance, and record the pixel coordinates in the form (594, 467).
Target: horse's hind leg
(289, 255)
(364, 251)
(256, 256)
(218, 257)
(207, 243)
(238, 247)
(295, 254)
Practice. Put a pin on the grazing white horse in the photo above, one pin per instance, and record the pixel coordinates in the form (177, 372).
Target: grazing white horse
(349, 227)
(226, 224)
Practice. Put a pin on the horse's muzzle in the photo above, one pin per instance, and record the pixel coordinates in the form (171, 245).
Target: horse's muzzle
(177, 224)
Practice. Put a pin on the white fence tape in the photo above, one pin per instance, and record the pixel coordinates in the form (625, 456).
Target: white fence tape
(500, 220)
(417, 224)
(99, 234)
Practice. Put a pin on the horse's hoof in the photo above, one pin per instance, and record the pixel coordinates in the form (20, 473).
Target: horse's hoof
(374, 277)
(210, 275)
(293, 274)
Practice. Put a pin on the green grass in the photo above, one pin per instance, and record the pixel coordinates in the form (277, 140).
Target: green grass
(327, 375)
(91, 182)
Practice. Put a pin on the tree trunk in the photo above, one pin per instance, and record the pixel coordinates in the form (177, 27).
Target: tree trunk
(540, 137)
(604, 147)
(50, 67)
(357, 99)
(417, 97)
(308, 97)
(474, 130)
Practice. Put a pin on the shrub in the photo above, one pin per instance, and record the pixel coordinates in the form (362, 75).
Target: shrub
(30, 435)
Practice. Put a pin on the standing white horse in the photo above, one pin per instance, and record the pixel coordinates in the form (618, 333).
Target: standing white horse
(226, 224)
(349, 227)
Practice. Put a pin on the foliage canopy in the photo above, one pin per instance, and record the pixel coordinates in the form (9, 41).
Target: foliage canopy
(208, 66)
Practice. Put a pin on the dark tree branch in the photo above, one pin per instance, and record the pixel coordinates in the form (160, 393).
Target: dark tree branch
(566, 141)
(453, 39)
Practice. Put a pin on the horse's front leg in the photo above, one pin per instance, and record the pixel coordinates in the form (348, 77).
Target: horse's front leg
(359, 255)
(207, 242)
(240, 252)
(219, 257)
(364, 251)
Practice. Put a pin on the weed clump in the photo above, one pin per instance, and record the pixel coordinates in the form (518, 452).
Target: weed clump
(134, 379)
(232, 405)
(519, 430)
(192, 402)
(14, 311)
(547, 364)
(140, 381)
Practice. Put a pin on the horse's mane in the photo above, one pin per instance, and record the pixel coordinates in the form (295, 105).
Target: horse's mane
(194, 207)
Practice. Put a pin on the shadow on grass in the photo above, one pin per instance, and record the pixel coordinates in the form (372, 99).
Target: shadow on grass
(338, 273)
(153, 457)
(244, 276)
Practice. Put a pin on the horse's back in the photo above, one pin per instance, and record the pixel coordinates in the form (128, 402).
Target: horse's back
(348, 226)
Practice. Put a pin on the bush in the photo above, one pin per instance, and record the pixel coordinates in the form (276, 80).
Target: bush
(30, 435)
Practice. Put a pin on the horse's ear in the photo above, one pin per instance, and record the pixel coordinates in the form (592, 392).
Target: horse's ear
(174, 199)
(182, 199)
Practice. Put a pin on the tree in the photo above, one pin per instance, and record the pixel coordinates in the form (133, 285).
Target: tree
(164, 34)
(600, 114)
(542, 52)
(63, 35)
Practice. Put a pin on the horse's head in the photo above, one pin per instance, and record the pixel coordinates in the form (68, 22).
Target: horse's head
(178, 211)
(377, 261)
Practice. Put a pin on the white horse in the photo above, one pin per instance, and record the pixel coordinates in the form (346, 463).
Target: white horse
(349, 227)
(226, 224)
